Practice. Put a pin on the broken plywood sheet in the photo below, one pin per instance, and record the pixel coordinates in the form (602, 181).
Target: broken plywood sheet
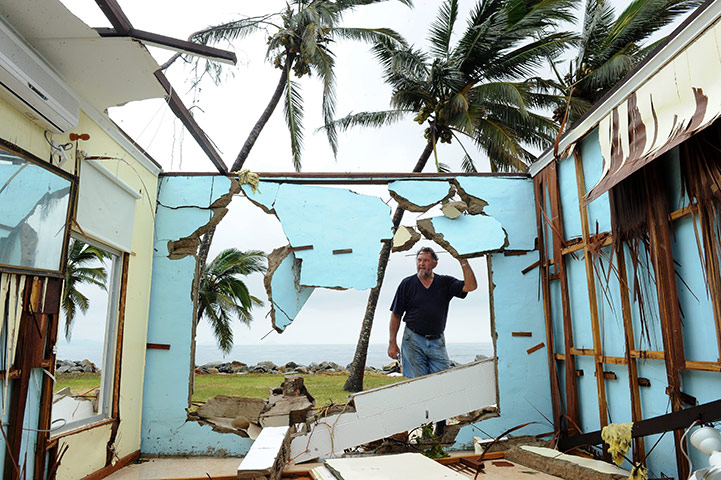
(465, 236)
(420, 195)
(402, 406)
(405, 238)
(570, 467)
(508, 200)
(404, 465)
(344, 228)
(282, 283)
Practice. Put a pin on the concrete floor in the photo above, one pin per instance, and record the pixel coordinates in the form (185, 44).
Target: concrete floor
(202, 468)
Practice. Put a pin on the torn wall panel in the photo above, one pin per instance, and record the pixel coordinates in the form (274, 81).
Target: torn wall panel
(465, 236)
(419, 195)
(508, 200)
(332, 220)
(264, 196)
(282, 283)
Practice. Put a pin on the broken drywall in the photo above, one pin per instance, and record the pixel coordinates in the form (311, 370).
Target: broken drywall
(405, 238)
(420, 195)
(466, 236)
(336, 233)
(282, 283)
(509, 200)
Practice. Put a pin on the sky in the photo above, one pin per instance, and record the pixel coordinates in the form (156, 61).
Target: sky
(228, 112)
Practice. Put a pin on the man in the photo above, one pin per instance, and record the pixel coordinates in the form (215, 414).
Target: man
(424, 299)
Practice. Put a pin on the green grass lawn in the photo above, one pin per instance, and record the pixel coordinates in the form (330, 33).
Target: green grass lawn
(325, 388)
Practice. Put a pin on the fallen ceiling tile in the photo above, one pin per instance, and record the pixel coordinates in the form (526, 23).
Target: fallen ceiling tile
(285, 294)
(465, 236)
(405, 238)
(420, 195)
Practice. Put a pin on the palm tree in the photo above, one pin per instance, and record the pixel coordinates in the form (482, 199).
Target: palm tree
(85, 266)
(470, 88)
(222, 293)
(609, 48)
(300, 42)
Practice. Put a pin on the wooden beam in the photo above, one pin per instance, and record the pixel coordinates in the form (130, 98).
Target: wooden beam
(181, 46)
(181, 111)
(661, 255)
(107, 470)
(539, 194)
(535, 347)
(558, 243)
(592, 300)
(521, 334)
(157, 346)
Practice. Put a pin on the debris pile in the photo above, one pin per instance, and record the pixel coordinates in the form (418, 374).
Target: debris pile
(289, 404)
(70, 366)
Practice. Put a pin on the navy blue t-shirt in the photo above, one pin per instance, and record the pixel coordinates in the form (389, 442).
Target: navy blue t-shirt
(426, 309)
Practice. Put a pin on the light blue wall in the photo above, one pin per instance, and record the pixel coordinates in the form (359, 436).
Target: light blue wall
(523, 379)
(182, 208)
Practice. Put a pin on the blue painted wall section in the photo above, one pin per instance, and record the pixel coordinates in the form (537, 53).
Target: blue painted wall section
(331, 219)
(510, 201)
(183, 207)
(467, 235)
(287, 296)
(422, 194)
(524, 390)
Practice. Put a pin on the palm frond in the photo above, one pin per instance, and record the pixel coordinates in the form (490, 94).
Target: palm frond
(441, 29)
(293, 108)
(369, 119)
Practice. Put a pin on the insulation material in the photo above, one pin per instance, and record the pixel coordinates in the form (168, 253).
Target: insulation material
(11, 291)
(672, 105)
(419, 195)
(618, 438)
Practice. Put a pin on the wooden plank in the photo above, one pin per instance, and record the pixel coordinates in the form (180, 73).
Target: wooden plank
(539, 193)
(660, 242)
(521, 334)
(535, 347)
(342, 251)
(107, 470)
(530, 267)
(51, 308)
(157, 346)
(592, 300)
(300, 248)
(648, 354)
(556, 219)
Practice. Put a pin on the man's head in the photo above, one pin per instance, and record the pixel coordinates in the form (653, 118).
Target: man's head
(426, 261)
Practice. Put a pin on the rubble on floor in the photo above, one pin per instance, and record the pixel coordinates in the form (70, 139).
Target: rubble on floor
(569, 467)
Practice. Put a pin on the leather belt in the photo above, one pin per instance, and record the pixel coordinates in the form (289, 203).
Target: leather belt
(427, 337)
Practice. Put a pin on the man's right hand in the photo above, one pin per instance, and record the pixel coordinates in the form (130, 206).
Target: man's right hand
(393, 351)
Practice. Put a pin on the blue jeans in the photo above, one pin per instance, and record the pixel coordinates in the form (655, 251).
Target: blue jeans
(420, 356)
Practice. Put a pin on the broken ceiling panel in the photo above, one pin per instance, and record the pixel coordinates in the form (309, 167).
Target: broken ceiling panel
(419, 195)
(508, 200)
(285, 294)
(465, 236)
(264, 196)
(405, 238)
(340, 230)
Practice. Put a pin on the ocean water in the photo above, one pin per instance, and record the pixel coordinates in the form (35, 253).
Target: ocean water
(282, 354)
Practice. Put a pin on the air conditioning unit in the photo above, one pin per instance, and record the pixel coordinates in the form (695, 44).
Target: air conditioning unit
(28, 84)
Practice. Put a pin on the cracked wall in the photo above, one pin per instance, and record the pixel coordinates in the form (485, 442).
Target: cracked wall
(334, 240)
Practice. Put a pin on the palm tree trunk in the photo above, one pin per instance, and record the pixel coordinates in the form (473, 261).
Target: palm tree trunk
(245, 151)
(358, 366)
(264, 117)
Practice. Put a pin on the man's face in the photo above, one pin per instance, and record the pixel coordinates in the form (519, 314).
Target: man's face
(425, 265)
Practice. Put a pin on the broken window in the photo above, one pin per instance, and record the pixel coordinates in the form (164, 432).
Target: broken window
(34, 200)
(86, 344)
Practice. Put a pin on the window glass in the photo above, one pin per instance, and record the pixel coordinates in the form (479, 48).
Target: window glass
(33, 213)
(86, 336)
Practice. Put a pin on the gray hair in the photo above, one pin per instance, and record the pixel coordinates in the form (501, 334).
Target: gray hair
(429, 251)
